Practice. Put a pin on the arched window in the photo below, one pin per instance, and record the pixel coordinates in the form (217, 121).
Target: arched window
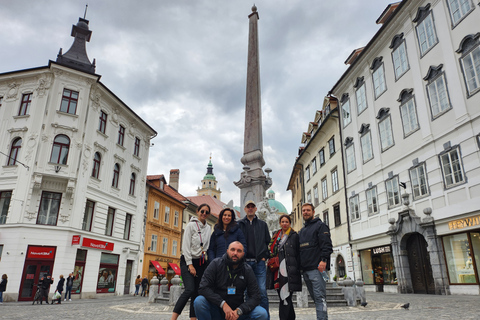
(116, 174)
(96, 165)
(61, 144)
(131, 190)
(14, 150)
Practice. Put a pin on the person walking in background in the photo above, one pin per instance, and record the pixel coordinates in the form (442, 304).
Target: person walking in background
(258, 237)
(3, 286)
(225, 232)
(69, 285)
(144, 286)
(138, 282)
(315, 251)
(59, 290)
(284, 267)
(193, 262)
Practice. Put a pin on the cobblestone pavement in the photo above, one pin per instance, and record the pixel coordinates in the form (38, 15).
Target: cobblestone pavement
(380, 306)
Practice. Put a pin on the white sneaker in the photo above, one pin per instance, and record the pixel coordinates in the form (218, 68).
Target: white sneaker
(64, 299)
(69, 299)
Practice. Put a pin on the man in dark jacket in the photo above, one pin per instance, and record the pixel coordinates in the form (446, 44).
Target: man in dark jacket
(69, 286)
(44, 284)
(315, 251)
(221, 292)
(258, 237)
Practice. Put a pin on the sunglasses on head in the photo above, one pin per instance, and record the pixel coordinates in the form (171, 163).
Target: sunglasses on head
(204, 211)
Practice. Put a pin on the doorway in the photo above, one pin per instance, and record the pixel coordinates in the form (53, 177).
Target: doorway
(38, 263)
(420, 267)
(128, 277)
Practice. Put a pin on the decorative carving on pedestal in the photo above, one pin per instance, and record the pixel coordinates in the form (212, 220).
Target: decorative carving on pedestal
(12, 93)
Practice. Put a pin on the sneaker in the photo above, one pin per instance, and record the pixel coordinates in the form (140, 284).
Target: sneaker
(69, 299)
(64, 299)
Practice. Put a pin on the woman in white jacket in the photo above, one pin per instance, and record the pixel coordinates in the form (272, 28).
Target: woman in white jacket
(193, 262)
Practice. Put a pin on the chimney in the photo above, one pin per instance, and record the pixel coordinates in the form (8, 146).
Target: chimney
(174, 177)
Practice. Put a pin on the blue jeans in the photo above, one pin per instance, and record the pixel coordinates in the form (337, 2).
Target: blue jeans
(69, 292)
(137, 287)
(260, 270)
(205, 310)
(318, 291)
(1, 296)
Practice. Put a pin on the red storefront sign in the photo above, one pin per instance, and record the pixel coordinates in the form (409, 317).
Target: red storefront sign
(75, 240)
(46, 253)
(97, 244)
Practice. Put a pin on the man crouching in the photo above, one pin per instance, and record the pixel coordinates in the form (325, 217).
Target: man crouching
(222, 289)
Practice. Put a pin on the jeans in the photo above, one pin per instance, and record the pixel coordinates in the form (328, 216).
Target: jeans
(205, 310)
(260, 270)
(69, 291)
(191, 284)
(137, 287)
(1, 296)
(317, 288)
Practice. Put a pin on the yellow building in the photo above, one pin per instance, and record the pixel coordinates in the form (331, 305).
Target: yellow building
(163, 229)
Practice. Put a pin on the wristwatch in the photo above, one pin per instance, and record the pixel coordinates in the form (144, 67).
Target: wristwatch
(239, 311)
(323, 260)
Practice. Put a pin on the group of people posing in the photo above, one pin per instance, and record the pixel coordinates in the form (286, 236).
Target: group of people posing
(44, 287)
(226, 273)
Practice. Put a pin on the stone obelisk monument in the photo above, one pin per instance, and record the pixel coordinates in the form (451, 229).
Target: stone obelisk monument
(253, 182)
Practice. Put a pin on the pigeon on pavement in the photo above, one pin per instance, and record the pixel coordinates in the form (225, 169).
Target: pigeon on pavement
(405, 306)
(364, 304)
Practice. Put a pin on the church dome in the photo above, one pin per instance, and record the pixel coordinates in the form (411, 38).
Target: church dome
(276, 204)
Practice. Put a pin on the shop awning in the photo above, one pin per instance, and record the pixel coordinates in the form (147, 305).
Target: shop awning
(175, 268)
(158, 267)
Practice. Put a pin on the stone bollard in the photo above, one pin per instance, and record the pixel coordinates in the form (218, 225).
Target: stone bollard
(302, 296)
(175, 290)
(360, 291)
(349, 292)
(163, 287)
(153, 292)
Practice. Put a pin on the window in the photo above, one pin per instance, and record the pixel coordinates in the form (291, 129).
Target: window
(418, 177)
(96, 165)
(14, 151)
(88, 215)
(437, 92)
(325, 217)
(470, 61)
(385, 129)
(153, 243)
(366, 142)
(167, 215)
(314, 165)
(309, 197)
(378, 77)
(131, 190)
(354, 208)
(336, 215)
(408, 111)
(109, 223)
(128, 225)
(360, 95)
(136, 149)
(334, 181)
(346, 115)
(156, 210)
(5, 197)
(69, 101)
(452, 167)
(426, 35)
(116, 175)
(331, 146)
(316, 200)
(459, 9)
(393, 192)
(165, 246)
(174, 248)
(350, 155)
(307, 173)
(102, 124)
(121, 135)
(462, 254)
(321, 156)
(25, 104)
(324, 189)
(399, 56)
(176, 218)
(372, 203)
(49, 208)
(61, 145)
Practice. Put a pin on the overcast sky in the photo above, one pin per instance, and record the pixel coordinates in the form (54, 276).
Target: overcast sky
(181, 66)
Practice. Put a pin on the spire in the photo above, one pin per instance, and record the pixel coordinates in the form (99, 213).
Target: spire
(76, 57)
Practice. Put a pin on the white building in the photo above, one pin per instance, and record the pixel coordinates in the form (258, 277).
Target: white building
(411, 118)
(72, 181)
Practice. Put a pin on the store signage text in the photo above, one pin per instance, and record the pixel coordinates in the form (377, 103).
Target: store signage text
(41, 252)
(463, 223)
(380, 250)
(164, 260)
(97, 244)
(75, 240)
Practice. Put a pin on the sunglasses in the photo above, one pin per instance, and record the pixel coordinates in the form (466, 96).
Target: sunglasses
(204, 211)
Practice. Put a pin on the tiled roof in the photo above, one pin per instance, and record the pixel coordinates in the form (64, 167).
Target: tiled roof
(174, 193)
(155, 177)
(215, 205)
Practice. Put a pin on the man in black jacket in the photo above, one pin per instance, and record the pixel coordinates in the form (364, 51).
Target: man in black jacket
(222, 288)
(44, 285)
(258, 237)
(315, 251)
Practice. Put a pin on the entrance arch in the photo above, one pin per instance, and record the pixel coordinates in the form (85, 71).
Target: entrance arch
(340, 266)
(420, 267)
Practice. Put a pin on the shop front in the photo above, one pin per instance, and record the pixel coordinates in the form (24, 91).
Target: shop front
(378, 268)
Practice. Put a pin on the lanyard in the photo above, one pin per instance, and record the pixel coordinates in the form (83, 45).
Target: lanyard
(230, 275)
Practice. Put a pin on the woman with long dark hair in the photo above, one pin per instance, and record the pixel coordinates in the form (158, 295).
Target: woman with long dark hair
(225, 232)
(193, 262)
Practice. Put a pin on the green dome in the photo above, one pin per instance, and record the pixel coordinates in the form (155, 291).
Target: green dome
(209, 177)
(271, 191)
(278, 205)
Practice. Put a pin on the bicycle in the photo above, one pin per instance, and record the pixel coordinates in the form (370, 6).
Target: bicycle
(38, 296)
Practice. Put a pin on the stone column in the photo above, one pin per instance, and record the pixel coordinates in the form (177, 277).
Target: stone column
(349, 292)
(175, 290)
(302, 296)
(360, 291)
(163, 287)
(153, 292)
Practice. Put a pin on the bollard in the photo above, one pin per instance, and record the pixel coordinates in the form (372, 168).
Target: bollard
(175, 290)
(360, 291)
(163, 287)
(349, 292)
(153, 292)
(302, 296)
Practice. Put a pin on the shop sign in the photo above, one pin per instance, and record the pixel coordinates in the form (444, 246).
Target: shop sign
(463, 223)
(75, 240)
(97, 244)
(380, 250)
(164, 260)
(41, 252)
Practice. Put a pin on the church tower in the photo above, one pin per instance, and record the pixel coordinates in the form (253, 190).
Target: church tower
(209, 184)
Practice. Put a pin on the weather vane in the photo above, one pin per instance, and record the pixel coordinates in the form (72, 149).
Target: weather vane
(85, 14)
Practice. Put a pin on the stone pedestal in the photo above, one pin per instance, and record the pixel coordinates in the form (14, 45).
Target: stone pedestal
(349, 292)
(302, 296)
(163, 287)
(175, 290)
(153, 292)
(360, 291)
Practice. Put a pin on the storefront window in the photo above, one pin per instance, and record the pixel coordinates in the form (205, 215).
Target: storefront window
(377, 266)
(367, 270)
(459, 257)
(78, 271)
(389, 274)
(475, 238)
(107, 274)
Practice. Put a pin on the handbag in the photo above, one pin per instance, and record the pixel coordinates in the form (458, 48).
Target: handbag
(273, 263)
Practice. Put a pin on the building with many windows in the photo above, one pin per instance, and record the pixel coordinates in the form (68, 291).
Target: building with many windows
(72, 187)
(411, 137)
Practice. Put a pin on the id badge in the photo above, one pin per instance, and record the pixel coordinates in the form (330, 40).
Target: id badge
(231, 290)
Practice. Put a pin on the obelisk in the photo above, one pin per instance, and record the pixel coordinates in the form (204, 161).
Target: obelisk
(253, 182)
